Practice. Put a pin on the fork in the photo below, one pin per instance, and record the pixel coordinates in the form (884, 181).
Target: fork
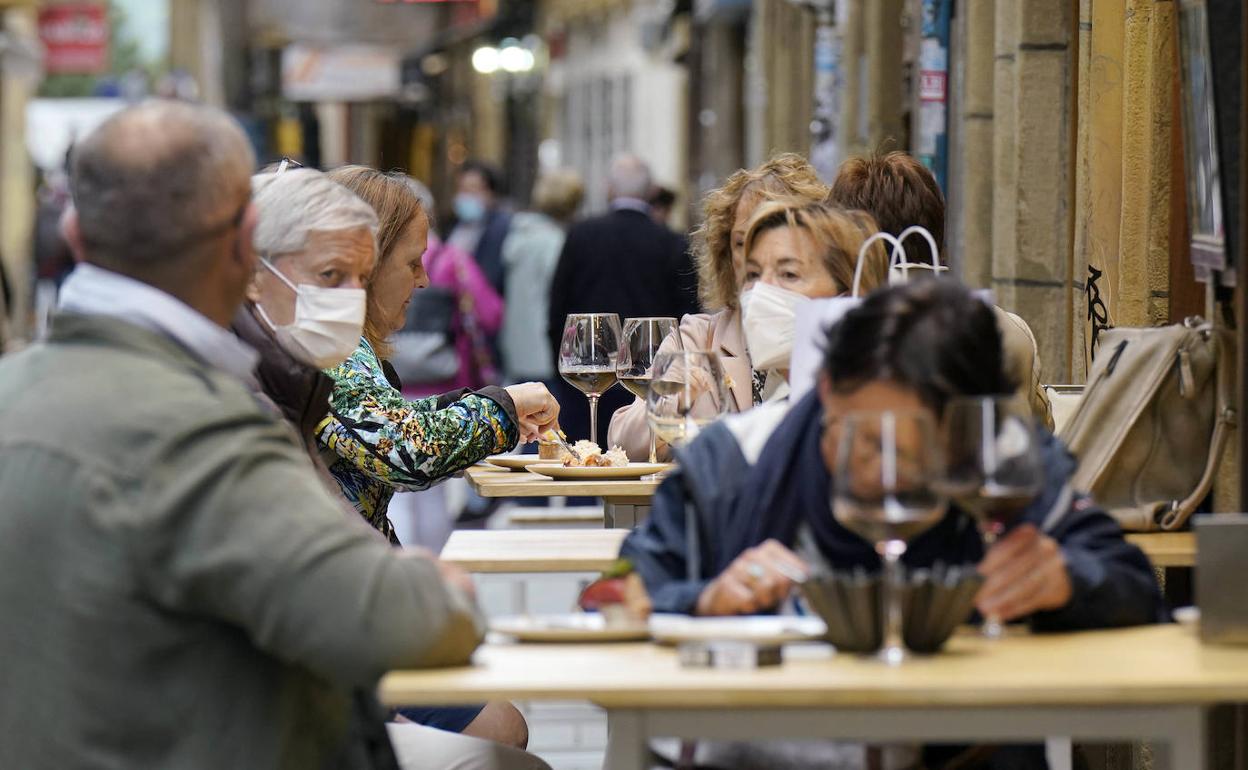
(552, 436)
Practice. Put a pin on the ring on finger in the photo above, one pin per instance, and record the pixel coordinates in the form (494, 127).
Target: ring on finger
(755, 571)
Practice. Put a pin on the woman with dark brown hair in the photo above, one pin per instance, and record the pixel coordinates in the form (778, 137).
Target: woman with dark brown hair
(899, 191)
(719, 251)
(379, 441)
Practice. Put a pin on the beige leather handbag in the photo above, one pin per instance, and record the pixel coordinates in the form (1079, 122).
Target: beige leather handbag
(1155, 416)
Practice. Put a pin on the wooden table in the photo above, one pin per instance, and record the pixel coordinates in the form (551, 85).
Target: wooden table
(625, 503)
(534, 550)
(1167, 549)
(593, 550)
(1151, 683)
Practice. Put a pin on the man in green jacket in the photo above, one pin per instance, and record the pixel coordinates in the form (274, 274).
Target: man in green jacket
(177, 588)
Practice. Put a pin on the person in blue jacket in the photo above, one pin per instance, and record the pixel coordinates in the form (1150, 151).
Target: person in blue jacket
(749, 500)
(748, 507)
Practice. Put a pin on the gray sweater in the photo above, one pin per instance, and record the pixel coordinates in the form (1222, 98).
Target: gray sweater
(177, 588)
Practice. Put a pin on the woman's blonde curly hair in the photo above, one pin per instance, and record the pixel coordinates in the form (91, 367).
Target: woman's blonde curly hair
(785, 175)
(839, 234)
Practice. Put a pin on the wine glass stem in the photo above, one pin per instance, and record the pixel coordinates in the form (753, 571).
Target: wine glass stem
(654, 447)
(893, 651)
(593, 419)
(992, 628)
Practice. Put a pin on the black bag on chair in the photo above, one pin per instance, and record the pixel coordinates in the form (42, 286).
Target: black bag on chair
(424, 351)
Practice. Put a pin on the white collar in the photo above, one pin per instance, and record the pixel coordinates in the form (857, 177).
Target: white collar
(92, 290)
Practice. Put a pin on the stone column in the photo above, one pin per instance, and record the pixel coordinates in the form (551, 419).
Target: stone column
(976, 171)
(884, 42)
(853, 109)
(1032, 151)
(17, 210)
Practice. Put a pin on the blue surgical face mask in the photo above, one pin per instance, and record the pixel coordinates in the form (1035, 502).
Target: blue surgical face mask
(469, 208)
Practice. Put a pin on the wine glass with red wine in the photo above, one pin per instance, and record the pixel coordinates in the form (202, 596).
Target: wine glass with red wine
(640, 344)
(993, 466)
(588, 352)
(885, 491)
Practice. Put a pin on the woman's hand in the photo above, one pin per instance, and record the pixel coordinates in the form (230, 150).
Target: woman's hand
(757, 580)
(537, 410)
(1024, 572)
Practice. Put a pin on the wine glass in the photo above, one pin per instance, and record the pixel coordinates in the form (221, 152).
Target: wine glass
(687, 391)
(993, 466)
(587, 355)
(883, 491)
(641, 341)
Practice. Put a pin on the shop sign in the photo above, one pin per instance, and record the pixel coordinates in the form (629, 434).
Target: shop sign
(345, 73)
(75, 38)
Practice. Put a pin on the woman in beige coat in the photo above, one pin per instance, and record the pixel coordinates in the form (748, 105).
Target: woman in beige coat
(718, 250)
(766, 226)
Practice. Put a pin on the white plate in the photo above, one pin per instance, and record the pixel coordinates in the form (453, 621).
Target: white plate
(630, 471)
(763, 629)
(1187, 616)
(572, 627)
(516, 462)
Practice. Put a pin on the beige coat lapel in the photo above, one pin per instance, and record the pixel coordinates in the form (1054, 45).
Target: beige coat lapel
(728, 339)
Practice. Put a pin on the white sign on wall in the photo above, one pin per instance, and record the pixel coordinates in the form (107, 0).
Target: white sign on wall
(340, 73)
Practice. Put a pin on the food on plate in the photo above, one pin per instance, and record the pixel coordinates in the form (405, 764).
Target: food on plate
(592, 456)
(548, 445)
(619, 595)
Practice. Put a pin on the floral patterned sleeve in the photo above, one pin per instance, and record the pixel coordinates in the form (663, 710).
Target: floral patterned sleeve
(407, 445)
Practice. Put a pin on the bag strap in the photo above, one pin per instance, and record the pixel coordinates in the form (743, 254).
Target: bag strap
(1179, 511)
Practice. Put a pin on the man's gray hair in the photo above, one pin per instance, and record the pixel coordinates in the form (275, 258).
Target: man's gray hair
(629, 177)
(294, 203)
(156, 182)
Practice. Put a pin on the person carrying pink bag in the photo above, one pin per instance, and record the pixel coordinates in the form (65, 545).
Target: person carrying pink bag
(445, 345)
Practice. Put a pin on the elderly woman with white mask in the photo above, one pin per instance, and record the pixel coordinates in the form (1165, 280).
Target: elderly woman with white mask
(316, 242)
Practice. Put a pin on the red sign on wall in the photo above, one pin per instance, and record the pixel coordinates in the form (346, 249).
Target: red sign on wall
(75, 38)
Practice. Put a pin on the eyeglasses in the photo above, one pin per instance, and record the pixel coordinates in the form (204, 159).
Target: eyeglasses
(287, 163)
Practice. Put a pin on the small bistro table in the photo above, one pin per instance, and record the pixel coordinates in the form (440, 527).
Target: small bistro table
(533, 550)
(625, 503)
(1153, 682)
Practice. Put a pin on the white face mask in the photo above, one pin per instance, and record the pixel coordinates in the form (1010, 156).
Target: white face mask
(768, 316)
(327, 326)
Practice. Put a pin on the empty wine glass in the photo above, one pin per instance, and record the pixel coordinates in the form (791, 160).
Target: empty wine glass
(587, 354)
(886, 463)
(642, 338)
(993, 466)
(687, 391)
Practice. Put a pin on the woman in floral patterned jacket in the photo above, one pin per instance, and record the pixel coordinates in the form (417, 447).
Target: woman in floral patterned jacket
(377, 442)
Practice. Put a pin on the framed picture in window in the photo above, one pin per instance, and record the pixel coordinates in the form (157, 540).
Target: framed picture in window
(1205, 194)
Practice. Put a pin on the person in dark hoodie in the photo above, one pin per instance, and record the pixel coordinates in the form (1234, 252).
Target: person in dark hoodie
(305, 311)
(748, 505)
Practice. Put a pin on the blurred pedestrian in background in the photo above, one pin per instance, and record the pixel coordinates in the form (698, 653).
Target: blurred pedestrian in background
(530, 256)
(481, 220)
(620, 262)
(444, 344)
(662, 202)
